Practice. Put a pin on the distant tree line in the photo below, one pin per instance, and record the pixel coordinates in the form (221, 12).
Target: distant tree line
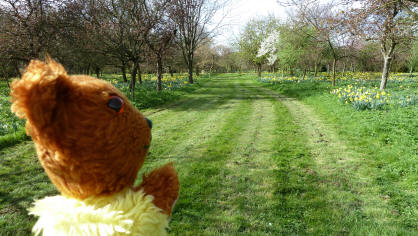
(155, 36)
(355, 35)
(88, 36)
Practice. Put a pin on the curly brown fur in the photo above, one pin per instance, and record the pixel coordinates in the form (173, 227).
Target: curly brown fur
(85, 147)
(163, 184)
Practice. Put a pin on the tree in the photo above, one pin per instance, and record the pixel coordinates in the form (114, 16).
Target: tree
(297, 47)
(413, 58)
(28, 28)
(205, 56)
(251, 38)
(328, 27)
(269, 47)
(119, 26)
(192, 18)
(159, 31)
(390, 22)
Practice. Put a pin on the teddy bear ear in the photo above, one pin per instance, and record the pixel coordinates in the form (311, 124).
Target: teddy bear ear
(34, 96)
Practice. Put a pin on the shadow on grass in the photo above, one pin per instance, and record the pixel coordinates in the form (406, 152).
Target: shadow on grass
(22, 181)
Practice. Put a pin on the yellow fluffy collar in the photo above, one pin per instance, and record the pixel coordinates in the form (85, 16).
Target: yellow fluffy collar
(126, 212)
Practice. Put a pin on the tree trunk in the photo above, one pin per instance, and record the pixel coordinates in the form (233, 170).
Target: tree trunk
(328, 69)
(190, 61)
(334, 62)
(197, 70)
(139, 74)
(316, 70)
(385, 73)
(160, 72)
(88, 69)
(344, 69)
(304, 73)
(133, 79)
(123, 68)
(411, 70)
(259, 70)
(170, 70)
(97, 70)
(6, 78)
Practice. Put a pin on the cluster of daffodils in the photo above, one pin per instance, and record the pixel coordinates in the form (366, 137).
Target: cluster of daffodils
(363, 98)
(408, 100)
(169, 82)
(275, 80)
(351, 76)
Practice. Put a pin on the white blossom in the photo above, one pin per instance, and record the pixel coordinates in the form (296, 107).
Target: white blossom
(268, 47)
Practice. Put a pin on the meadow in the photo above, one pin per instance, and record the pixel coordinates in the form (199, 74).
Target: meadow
(262, 156)
(382, 126)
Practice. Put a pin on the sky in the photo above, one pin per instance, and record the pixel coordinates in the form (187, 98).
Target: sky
(239, 12)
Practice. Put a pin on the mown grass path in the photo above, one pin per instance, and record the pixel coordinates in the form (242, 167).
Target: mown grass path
(250, 162)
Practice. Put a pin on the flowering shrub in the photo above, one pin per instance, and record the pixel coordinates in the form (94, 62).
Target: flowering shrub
(269, 48)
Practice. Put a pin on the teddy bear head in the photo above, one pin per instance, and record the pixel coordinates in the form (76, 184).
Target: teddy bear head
(89, 139)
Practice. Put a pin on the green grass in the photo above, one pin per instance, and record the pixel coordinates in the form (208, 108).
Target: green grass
(386, 140)
(13, 138)
(22, 181)
(252, 162)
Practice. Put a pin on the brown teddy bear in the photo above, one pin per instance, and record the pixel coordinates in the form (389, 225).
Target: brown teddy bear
(91, 142)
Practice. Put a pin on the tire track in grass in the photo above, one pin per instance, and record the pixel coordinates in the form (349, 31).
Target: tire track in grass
(202, 173)
(352, 202)
(246, 196)
(175, 139)
(176, 120)
(190, 100)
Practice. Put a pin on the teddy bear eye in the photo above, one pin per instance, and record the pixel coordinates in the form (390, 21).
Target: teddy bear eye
(116, 103)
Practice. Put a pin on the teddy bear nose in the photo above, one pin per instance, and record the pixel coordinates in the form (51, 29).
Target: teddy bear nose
(149, 123)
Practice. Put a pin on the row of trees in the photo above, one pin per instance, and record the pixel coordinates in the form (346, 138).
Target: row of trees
(348, 32)
(89, 35)
(138, 36)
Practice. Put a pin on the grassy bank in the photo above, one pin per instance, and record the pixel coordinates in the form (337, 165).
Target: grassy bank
(386, 137)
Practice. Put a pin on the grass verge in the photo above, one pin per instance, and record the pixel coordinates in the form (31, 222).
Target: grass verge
(386, 138)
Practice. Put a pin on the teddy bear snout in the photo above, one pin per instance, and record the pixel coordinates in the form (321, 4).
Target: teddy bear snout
(149, 123)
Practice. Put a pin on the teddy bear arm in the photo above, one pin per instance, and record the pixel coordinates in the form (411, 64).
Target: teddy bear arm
(163, 185)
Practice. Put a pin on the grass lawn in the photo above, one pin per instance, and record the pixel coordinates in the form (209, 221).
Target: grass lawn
(254, 162)
(385, 139)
